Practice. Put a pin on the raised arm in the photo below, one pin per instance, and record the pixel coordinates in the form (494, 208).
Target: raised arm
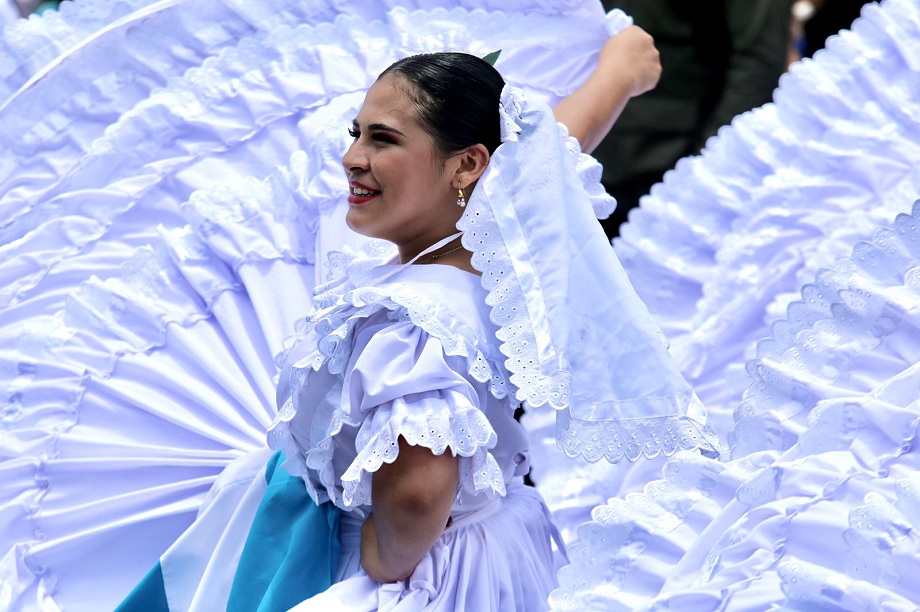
(628, 66)
(411, 498)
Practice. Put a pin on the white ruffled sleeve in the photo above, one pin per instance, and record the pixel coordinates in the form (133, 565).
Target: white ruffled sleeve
(400, 382)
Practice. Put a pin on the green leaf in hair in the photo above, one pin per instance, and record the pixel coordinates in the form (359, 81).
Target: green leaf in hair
(491, 58)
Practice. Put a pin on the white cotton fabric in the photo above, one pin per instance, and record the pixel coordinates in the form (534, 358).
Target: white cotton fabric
(575, 335)
(408, 351)
(170, 186)
(495, 558)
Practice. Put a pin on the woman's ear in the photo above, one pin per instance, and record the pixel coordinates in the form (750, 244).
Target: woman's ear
(472, 163)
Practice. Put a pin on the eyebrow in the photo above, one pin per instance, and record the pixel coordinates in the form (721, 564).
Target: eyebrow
(377, 127)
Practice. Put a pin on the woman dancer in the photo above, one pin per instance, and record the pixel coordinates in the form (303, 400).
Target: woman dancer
(396, 405)
(138, 355)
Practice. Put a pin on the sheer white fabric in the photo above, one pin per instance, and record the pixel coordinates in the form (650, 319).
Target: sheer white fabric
(576, 337)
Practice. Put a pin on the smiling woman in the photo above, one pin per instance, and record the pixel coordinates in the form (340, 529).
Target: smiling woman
(397, 401)
(393, 471)
(415, 152)
(156, 295)
(436, 480)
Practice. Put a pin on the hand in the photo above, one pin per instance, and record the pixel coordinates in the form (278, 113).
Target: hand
(631, 55)
(627, 66)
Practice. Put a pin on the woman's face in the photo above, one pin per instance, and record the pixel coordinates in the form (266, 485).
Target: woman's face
(400, 185)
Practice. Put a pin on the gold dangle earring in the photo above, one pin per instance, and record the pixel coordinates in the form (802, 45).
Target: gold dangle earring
(461, 201)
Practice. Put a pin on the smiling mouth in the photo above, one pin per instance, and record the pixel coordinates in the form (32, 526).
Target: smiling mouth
(359, 194)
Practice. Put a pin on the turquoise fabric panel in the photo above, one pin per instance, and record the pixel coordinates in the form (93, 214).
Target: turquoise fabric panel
(148, 596)
(291, 551)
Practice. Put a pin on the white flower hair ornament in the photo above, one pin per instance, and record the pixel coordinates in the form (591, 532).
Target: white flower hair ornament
(573, 331)
(509, 109)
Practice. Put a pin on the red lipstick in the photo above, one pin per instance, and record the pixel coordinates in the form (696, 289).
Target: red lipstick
(360, 199)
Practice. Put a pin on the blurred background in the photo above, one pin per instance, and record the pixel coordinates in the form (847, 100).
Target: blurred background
(719, 58)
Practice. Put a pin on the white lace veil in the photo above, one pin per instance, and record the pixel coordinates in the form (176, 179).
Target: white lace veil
(575, 334)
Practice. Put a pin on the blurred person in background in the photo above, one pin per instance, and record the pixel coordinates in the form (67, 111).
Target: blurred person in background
(813, 21)
(719, 58)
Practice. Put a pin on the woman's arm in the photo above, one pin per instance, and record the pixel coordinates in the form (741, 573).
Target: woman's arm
(411, 500)
(628, 66)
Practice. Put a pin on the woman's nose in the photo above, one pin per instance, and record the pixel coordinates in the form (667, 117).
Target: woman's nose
(354, 159)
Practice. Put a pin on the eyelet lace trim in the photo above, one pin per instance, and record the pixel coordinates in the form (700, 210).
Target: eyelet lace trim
(845, 314)
(340, 305)
(629, 439)
(465, 433)
(592, 440)
(339, 308)
(509, 312)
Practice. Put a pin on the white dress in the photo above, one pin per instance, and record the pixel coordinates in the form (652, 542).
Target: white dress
(416, 356)
(170, 181)
(412, 355)
(139, 322)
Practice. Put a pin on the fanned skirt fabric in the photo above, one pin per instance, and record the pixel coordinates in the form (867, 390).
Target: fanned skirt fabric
(721, 247)
(170, 172)
(819, 506)
(796, 225)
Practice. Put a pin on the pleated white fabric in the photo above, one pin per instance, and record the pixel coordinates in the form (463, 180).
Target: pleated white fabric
(817, 506)
(721, 247)
(169, 170)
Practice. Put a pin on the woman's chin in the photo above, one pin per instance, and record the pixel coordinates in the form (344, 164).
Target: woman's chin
(357, 223)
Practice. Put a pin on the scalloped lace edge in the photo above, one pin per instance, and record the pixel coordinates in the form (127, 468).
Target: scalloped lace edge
(632, 439)
(643, 231)
(345, 306)
(341, 307)
(480, 474)
(863, 330)
(490, 257)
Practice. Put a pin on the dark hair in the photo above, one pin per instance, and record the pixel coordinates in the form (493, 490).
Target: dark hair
(457, 98)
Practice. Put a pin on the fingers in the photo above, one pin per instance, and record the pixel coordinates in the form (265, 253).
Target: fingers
(632, 55)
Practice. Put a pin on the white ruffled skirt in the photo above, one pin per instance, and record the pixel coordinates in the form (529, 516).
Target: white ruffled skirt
(171, 182)
(499, 557)
(158, 242)
(785, 264)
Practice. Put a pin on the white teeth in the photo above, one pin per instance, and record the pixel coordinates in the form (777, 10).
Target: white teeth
(359, 191)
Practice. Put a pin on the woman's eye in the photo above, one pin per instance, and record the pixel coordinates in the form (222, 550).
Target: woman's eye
(382, 137)
(353, 132)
